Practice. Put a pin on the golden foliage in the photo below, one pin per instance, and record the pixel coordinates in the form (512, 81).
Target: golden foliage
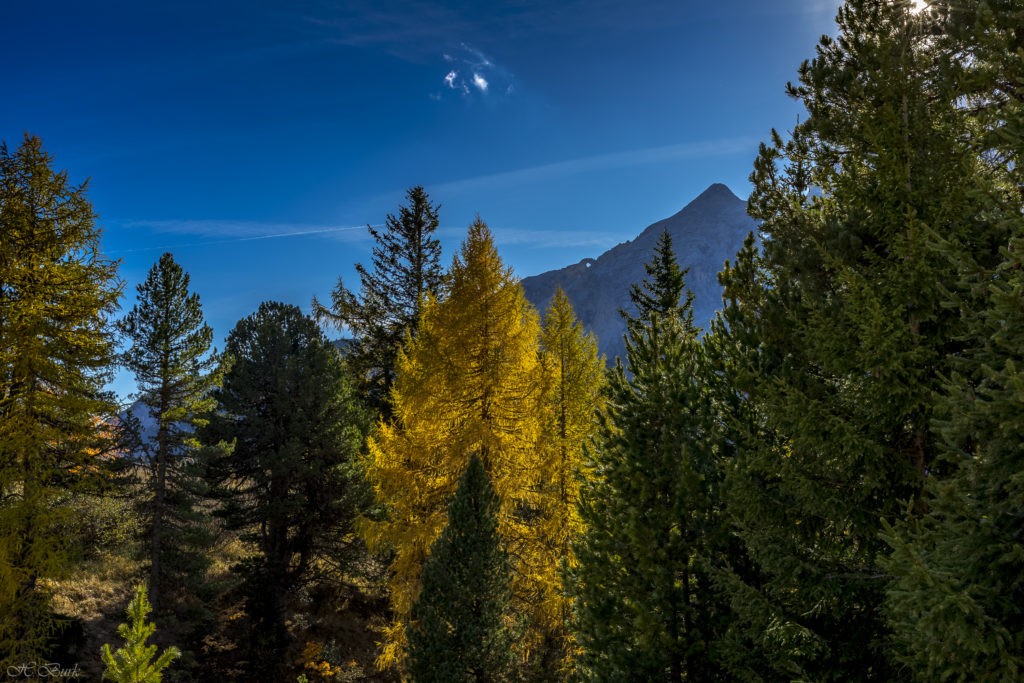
(574, 376)
(57, 291)
(470, 381)
(312, 661)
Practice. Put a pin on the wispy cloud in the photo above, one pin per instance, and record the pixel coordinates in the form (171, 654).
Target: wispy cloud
(639, 157)
(227, 231)
(217, 232)
(422, 25)
(541, 239)
(408, 34)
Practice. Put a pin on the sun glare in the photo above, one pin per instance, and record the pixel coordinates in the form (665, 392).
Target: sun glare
(919, 6)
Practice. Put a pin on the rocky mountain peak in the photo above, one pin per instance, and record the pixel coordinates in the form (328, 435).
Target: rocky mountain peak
(705, 232)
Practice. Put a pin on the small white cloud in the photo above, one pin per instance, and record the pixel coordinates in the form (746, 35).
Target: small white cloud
(472, 73)
(436, 96)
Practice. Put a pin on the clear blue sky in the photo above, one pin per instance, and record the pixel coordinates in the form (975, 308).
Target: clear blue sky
(249, 137)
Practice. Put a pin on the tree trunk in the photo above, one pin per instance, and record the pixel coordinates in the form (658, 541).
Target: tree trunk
(155, 568)
(159, 497)
(277, 554)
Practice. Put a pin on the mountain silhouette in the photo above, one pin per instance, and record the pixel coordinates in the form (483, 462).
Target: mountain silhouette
(706, 232)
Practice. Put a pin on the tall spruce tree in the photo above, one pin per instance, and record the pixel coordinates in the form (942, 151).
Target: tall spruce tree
(840, 338)
(644, 601)
(286, 478)
(956, 603)
(57, 292)
(169, 354)
(460, 628)
(664, 293)
(469, 383)
(406, 268)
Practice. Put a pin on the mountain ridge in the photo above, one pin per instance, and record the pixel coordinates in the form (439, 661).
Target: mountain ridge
(707, 231)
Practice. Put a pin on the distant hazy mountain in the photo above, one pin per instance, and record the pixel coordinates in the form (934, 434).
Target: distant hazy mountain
(149, 426)
(708, 230)
(147, 421)
(343, 344)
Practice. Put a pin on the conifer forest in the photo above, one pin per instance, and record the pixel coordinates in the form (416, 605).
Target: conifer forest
(425, 478)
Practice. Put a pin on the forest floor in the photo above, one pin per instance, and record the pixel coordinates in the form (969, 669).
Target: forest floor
(334, 623)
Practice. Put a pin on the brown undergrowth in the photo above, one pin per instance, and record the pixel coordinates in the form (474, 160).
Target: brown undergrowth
(334, 621)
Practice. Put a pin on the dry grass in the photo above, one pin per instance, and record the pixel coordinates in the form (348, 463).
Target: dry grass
(97, 592)
(342, 614)
(97, 588)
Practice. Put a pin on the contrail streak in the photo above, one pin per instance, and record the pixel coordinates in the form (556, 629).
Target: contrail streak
(248, 239)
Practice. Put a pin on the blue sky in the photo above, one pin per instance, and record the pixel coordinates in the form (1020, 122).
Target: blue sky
(255, 139)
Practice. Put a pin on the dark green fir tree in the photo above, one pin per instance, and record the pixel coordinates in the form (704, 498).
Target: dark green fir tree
(644, 604)
(461, 629)
(289, 427)
(957, 602)
(406, 268)
(665, 293)
(957, 605)
(169, 353)
(838, 339)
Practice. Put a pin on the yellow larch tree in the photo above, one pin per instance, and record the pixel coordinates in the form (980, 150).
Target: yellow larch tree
(469, 382)
(574, 374)
(57, 294)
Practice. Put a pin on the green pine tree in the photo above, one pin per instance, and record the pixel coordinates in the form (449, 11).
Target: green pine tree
(460, 627)
(134, 662)
(57, 293)
(645, 607)
(170, 356)
(286, 477)
(665, 293)
(406, 267)
(838, 338)
(957, 602)
(989, 31)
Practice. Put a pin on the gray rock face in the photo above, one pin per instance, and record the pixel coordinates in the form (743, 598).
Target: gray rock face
(147, 422)
(708, 230)
(148, 427)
